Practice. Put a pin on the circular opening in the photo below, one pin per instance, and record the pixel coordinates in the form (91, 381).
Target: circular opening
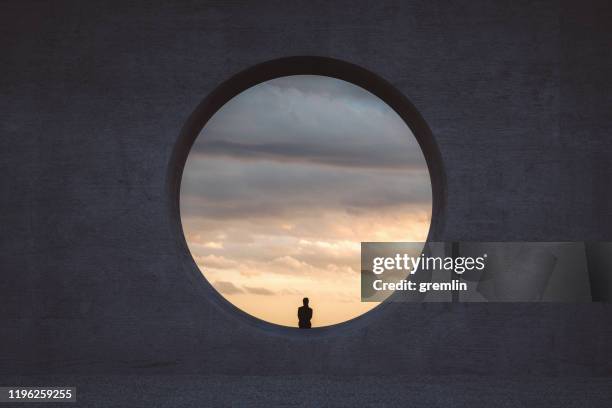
(284, 169)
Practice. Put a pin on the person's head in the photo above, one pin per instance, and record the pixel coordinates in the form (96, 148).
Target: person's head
(305, 301)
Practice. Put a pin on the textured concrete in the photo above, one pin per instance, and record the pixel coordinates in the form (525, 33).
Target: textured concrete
(93, 97)
(153, 391)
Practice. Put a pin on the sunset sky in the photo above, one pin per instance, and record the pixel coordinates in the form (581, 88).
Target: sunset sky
(285, 182)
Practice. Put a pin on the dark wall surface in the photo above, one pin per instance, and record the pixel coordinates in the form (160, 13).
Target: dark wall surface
(94, 95)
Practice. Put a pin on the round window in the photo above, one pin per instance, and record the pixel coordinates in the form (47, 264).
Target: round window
(285, 181)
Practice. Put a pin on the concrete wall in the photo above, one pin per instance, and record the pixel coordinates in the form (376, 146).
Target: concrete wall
(94, 94)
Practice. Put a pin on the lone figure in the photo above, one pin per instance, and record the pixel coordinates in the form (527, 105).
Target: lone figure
(304, 315)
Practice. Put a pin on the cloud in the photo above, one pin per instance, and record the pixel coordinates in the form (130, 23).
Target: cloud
(370, 156)
(227, 288)
(258, 291)
(210, 260)
(231, 188)
(326, 245)
(213, 245)
(310, 119)
(303, 143)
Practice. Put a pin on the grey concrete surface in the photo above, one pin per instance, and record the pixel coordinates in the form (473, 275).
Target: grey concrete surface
(179, 391)
(93, 97)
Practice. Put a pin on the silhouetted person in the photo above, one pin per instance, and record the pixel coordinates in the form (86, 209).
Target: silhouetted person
(304, 315)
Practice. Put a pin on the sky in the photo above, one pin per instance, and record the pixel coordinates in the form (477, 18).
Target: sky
(283, 184)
